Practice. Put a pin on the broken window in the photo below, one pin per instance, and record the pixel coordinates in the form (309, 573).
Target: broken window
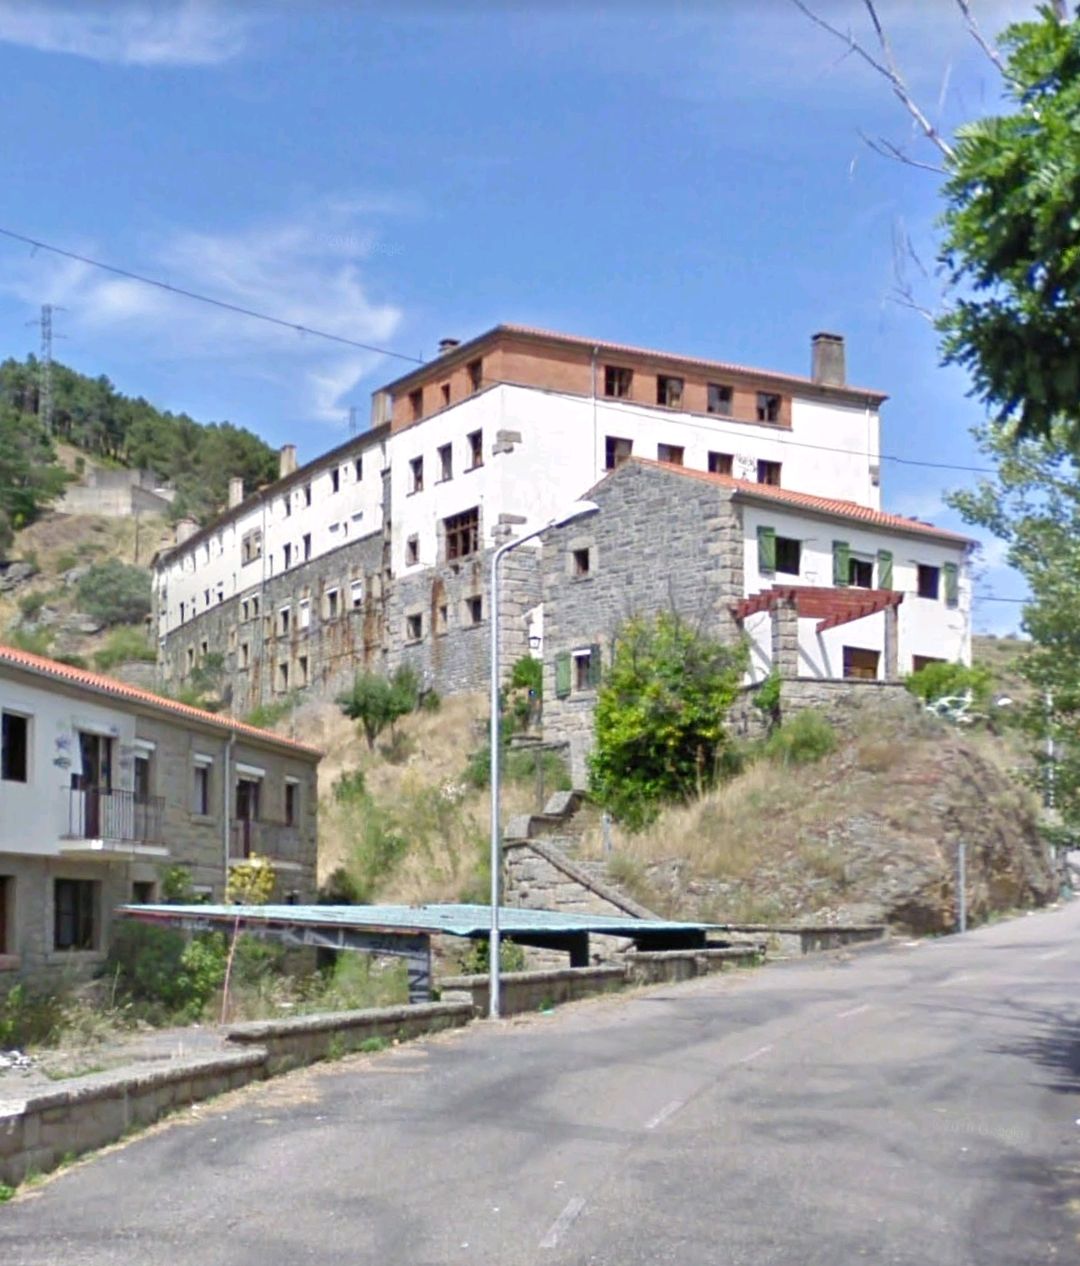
(769, 473)
(721, 463)
(281, 680)
(412, 551)
(333, 604)
(672, 453)
(581, 562)
(586, 668)
(335, 480)
(14, 747)
(788, 555)
(768, 406)
(476, 448)
(617, 381)
(302, 670)
(929, 581)
(462, 534)
(669, 391)
(283, 622)
(251, 546)
(446, 461)
(718, 399)
(416, 404)
(416, 474)
(475, 370)
(861, 573)
(414, 627)
(860, 663)
(474, 609)
(616, 451)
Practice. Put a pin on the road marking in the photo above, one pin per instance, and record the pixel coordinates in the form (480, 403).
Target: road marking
(668, 1110)
(845, 1015)
(761, 1050)
(1052, 954)
(563, 1222)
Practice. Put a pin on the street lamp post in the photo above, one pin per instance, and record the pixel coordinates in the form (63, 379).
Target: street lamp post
(578, 510)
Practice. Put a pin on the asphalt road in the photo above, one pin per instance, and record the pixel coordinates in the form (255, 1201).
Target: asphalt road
(914, 1105)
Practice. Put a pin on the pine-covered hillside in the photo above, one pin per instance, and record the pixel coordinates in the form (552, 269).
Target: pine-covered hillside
(196, 459)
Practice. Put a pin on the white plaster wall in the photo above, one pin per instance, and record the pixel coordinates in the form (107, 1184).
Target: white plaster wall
(925, 626)
(210, 571)
(34, 814)
(559, 457)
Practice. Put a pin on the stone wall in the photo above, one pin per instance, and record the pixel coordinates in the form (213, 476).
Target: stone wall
(649, 550)
(262, 663)
(842, 700)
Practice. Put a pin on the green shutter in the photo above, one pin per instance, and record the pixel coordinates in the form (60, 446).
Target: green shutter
(884, 569)
(594, 665)
(562, 675)
(841, 563)
(952, 584)
(766, 549)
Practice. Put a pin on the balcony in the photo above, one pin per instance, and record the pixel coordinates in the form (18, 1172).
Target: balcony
(107, 823)
(276, 841)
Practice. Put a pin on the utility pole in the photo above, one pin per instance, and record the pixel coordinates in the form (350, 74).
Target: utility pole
(45, 396)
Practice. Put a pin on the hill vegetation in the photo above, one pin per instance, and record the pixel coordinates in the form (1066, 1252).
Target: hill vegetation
(196, 459)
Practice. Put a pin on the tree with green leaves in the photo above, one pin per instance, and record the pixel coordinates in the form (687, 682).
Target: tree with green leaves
(115, 592)
(660, 713)
(30, 478)
(377, 701)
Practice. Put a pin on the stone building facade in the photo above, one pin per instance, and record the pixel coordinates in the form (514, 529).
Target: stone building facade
(104, 785)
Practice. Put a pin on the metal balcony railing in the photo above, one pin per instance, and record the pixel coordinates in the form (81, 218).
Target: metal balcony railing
(275, 840)
(100, 813)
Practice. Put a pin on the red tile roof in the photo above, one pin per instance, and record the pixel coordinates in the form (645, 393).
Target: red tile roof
(99, 684)
(810, 501)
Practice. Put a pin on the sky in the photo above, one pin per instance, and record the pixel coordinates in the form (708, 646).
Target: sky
(685, 176)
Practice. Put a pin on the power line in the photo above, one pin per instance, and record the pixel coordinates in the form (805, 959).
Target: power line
(993, 597)
(314, 332)
(217, 303)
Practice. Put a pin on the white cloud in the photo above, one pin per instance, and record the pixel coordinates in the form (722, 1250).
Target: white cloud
(306, 272)
(181, 33)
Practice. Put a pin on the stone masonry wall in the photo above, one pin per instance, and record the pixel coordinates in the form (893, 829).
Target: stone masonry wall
(660, 542)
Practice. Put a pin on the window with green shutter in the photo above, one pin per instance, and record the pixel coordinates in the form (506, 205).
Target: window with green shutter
(562, 675)
(841, 562)
(766, 549)
(951, 573)
(884, 569)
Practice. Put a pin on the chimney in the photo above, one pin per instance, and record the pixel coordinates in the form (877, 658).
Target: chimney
(236, 491)
(286, 460)
(827, 360)
(185, 529)
(448, 345)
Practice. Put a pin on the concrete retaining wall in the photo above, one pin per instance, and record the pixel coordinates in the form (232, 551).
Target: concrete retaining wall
(39, 1132)
(793, 940)
(530, 990)
(655, 967)
(304, 1040)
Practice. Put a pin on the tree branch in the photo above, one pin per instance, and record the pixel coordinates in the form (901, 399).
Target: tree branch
(887, 69)
(888, 149)
(977, 35)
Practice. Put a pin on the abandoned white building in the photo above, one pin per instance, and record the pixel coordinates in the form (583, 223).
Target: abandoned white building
(374, 553)
(103, 784)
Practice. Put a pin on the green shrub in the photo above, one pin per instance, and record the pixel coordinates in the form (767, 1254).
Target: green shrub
(941, 681)
(518, 766)
(807, 737)
(474, 962)
(115, 592)
(176, 888)
(33, 641)
(267, 715)
(660, 711)
(377, 702)
(126, 644)
(30, 604)
(29, 1017)
(339, 889)
(349, 785)
(65, 561)
(160, 966)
